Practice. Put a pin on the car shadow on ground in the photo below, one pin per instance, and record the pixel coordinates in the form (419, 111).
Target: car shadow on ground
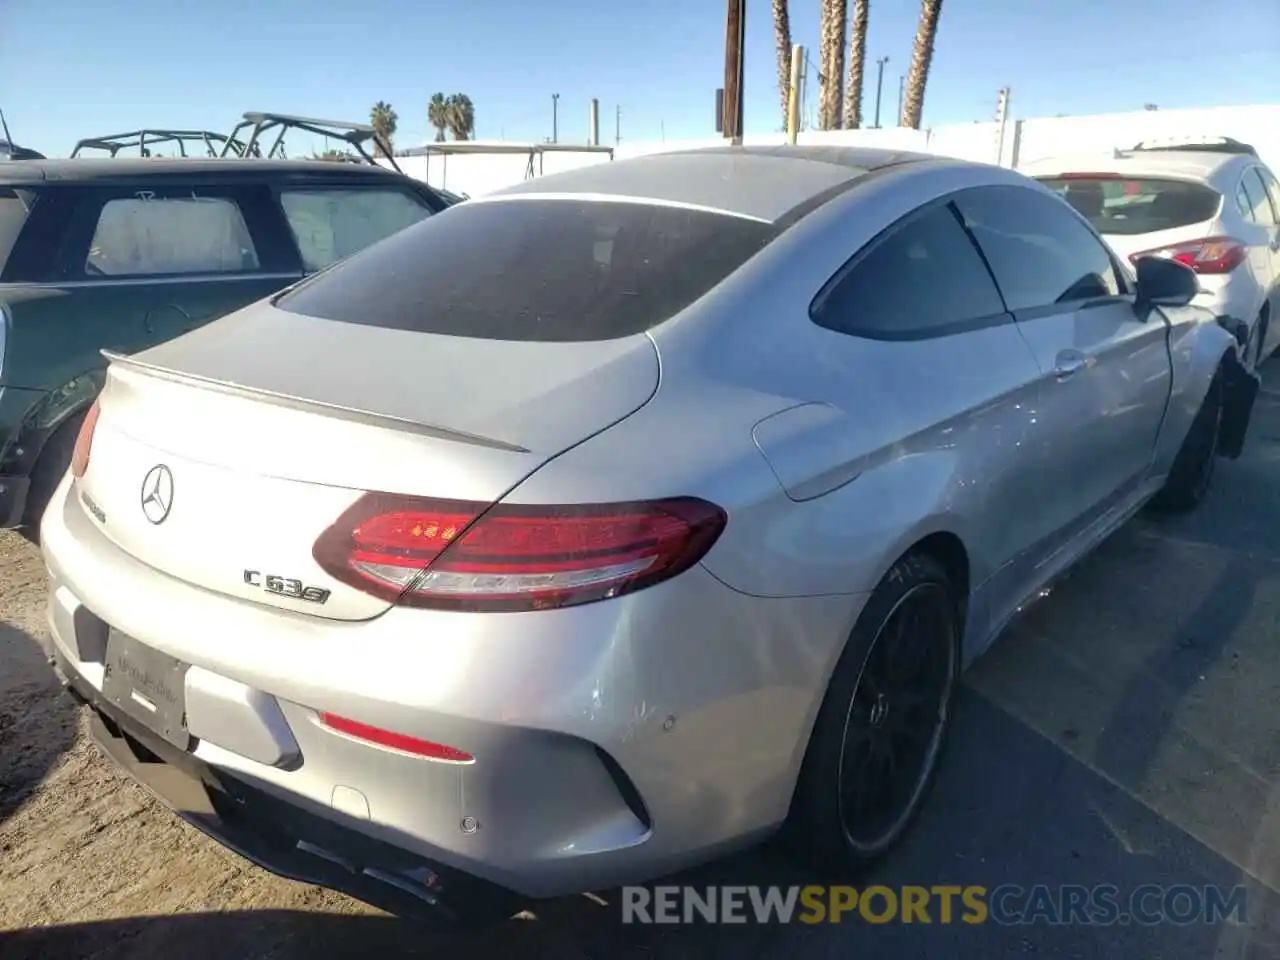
(1011, 808)
(37, 723)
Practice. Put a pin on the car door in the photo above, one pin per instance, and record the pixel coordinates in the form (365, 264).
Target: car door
(1263, 239)
(172, 256)
(1104, 368)
(1267, 215)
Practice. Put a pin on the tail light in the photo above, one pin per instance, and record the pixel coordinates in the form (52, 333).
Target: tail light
(1209, 256)
(457, 555)
(84, 443)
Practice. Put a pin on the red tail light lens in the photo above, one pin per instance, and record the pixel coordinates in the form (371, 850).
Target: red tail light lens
(1213, 255)
(84, 443)
(396, 741)
(453, 555)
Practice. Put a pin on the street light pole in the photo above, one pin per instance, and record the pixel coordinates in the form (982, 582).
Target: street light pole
(879, 86)
(555, 118)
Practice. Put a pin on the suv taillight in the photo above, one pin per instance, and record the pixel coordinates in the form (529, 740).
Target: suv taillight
(458, 555)
(84, 443)
(1209, 256)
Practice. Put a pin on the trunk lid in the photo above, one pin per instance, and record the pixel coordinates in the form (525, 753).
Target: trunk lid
(220, 457)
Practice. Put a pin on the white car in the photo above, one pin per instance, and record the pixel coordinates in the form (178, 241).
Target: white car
(1209, 203)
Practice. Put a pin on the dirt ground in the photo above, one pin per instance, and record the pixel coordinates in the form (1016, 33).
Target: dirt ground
(1126, 731)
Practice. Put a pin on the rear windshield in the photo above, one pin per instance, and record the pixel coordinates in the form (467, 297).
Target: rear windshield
(1132, 205)
(546, 270)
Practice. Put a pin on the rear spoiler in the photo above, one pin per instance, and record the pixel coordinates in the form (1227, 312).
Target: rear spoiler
(367, 417)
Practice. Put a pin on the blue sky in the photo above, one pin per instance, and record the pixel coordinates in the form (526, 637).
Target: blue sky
(73, 68)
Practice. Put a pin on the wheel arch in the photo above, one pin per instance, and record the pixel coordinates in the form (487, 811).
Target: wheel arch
(942, 544)
(47, 416)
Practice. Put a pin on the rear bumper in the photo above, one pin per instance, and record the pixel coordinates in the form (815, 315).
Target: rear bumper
(614, 742)
(281, 837)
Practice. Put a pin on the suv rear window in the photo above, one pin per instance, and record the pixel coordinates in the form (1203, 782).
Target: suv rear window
(1131, 205)
(536, 270)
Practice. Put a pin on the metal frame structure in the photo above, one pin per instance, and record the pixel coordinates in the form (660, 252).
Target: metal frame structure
(214, 144)
(534, 151)
(354, 135)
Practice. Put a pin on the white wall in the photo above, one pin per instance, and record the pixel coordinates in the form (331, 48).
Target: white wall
(1024, 141)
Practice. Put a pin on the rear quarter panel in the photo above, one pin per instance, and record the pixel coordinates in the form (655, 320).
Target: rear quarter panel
(916, 438)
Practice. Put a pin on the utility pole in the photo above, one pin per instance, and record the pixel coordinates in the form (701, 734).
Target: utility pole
(902, 86)
(594, 138)
(617, 125)
(879, 86)
(735, 32)
(1002, 119)
(793, 95)
(555, 118)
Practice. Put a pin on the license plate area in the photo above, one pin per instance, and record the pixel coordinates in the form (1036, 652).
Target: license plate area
(148, 686)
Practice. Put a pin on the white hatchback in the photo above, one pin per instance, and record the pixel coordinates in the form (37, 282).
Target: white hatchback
(1210, 204)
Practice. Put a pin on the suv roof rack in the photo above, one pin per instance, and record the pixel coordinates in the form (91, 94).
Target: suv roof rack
(210, 144)
(355, 135)
(1196, 144)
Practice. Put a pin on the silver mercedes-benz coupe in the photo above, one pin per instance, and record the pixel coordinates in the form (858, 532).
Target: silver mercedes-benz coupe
(592, 528)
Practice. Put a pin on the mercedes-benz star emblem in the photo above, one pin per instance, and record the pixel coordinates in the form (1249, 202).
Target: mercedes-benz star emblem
(157, 493)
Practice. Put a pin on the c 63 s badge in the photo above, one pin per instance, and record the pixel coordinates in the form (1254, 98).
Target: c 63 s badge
(285, 587)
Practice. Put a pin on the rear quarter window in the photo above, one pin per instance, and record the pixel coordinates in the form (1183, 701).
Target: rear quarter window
(536, 270)
(1134, 205)
(13, 214)
(332, 223)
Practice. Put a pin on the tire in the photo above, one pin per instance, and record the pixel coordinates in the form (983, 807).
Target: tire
(52, 465)
(826, 827)
(1193, 468)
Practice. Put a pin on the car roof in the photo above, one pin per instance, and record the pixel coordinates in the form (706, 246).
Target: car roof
(1201, 165)
(764, 183)
(140, 168)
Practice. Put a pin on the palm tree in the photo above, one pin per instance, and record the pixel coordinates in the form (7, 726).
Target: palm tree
(438, 115)
(835, 17)
(782, 35)
(461, 113)
(383, 119)
(921, 59)
(857, 63)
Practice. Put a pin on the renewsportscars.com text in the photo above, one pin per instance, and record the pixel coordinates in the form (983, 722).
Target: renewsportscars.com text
(1008, 904)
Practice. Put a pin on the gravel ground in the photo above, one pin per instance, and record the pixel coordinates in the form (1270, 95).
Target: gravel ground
(1124, 731)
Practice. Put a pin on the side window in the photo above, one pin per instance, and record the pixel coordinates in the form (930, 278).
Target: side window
(1263, 210)
(1273, 188)
(923, 278)
(1041, 253)
(148, 235)
(333, 223)
(1251, 191)
(1244, 203)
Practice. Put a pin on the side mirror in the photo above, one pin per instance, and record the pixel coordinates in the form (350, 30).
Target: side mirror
(1165, 283)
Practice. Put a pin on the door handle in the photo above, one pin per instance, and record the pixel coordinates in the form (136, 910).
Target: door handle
(1068, 363)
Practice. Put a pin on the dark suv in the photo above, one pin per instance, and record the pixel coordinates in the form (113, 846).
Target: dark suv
(122, 254)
